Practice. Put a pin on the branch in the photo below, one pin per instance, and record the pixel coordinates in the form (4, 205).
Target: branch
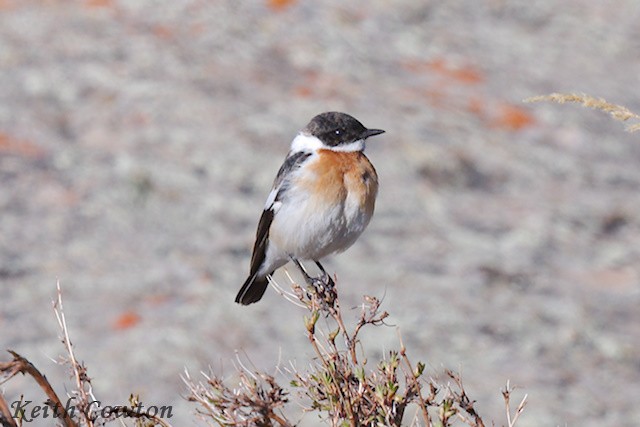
(21, 365)
(6, 418)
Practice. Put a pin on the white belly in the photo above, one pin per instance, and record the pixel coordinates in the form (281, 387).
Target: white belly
(306, 228)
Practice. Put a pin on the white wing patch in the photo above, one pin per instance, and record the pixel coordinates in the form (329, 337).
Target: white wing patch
(271, 198)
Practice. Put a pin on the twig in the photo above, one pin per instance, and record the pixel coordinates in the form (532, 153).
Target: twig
(340, 388)
(350, 341)
(463, 400)
(6, 418)
(253, 403)
(414, 381)
(21, 365)
(289, 296)
(79, 371)
(506, 393)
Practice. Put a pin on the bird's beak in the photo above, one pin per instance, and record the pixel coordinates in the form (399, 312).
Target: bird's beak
(371, 132)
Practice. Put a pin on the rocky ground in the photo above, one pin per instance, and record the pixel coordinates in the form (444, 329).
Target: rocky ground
(138, 141)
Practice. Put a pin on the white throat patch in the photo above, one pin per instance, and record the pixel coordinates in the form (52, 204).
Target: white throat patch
(352, 146)
(303, 142)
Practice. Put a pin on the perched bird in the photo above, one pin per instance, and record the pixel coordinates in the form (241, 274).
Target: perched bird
(321, 201)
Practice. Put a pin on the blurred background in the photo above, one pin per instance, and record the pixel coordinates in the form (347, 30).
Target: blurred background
(139, 140)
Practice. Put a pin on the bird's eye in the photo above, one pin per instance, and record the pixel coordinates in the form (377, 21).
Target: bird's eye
(337, 132)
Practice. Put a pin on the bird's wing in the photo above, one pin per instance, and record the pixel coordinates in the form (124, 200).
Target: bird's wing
(280, 185)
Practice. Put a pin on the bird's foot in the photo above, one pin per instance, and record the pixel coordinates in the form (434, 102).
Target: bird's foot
(322, 283)
(325, 277)
(322, 286)
(324, 289)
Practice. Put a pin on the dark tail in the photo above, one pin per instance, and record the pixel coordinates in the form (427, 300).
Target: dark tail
(253, 289)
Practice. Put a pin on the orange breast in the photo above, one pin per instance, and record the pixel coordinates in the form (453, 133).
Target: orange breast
(337, 175)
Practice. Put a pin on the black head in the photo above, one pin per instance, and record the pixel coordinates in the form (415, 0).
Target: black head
(335, 129)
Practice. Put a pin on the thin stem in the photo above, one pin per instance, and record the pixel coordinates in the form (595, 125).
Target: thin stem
(414, 381)
(81, 378)
(350, 341)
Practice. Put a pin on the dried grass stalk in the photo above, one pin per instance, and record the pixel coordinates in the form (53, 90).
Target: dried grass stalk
(618, 112)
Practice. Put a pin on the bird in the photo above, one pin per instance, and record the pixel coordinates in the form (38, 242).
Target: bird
(322, 199)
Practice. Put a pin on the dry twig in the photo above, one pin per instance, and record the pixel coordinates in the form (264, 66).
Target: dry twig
(87, 414)
(506, 393)
(20, 365)
(255, 402)
(338, 385)
(83, 390)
